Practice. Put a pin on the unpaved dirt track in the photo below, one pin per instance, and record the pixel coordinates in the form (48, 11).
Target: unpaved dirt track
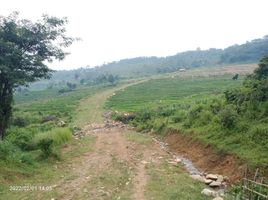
(110, 143)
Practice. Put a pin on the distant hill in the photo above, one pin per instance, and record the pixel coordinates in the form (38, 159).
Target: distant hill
(249, 52)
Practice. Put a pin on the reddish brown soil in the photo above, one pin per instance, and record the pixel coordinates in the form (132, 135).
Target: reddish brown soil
(206, 158)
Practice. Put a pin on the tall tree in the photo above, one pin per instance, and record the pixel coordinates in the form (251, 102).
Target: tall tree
(262, 71)
(24, 46)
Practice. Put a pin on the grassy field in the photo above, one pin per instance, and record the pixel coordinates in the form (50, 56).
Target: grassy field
(27, 144)
(197, 106)
(25, 154)
(161, 92)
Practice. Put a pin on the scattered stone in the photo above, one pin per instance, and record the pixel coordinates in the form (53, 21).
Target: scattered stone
(61, 124)
(218, 198)
(85, 190)
(212, 177)
(106, 194)
(198, 178)
(208, 181)
(178, 160)
(144, 162)
(127, 183)
(221, 193)
(226, 178)
(220, 178)
(215, 184)
(209, 192)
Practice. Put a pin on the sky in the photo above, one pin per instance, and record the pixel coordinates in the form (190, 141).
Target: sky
(116, 29)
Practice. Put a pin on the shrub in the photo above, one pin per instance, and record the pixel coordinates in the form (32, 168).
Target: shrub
(259, 134)
(205, 117)
(125, 118)
(193, 114)
(22, 141)
(7, 150)
(20, 122)
(160, 126)
(228, 117)
(144, 115)
(27, 159)
(165, 111)
(46, 146)
(64, 90)
(216, 106)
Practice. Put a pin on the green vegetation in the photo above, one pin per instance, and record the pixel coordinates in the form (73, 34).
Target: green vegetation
(219, 111)
(25, 46)
(36, 134)
(45, 172)
(170, 182)
(111, 182)
(138, 138)
(168, 91)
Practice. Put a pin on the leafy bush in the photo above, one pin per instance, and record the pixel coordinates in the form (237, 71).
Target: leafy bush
(179, 116)
(7, 150)
(46, 146)
(20, 122)
(22, 141)
(144, 115)
(123, 117)
(228, 117)
(159, 125)
(64, 90)
(193, 114)
(165, 111)
(205, 118)
(259, 134)
(216, 105)
(27, 159)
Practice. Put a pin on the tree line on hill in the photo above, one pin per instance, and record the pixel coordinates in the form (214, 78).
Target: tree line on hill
(250, 52)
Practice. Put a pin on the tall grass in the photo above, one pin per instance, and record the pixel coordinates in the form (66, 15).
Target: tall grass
(58, 136)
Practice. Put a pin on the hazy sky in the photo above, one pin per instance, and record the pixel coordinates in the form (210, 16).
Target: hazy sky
(116, 29)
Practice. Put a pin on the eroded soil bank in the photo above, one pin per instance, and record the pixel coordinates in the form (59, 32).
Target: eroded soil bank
(205, 158)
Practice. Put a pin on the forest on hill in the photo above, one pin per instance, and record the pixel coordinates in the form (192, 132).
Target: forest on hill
(250, 52)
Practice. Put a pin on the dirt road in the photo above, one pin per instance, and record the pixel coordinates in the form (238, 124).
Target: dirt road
(116, 168)
(124, 164)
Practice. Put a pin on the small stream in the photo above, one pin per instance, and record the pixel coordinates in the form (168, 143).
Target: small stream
(189, 166)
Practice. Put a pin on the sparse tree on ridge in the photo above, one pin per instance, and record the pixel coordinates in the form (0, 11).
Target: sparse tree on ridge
(24, 46)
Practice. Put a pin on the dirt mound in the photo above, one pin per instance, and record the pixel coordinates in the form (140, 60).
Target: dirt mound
(206, 158)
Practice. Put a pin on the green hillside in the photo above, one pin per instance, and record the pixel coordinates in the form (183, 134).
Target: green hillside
(230, 115)
(249, 52)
